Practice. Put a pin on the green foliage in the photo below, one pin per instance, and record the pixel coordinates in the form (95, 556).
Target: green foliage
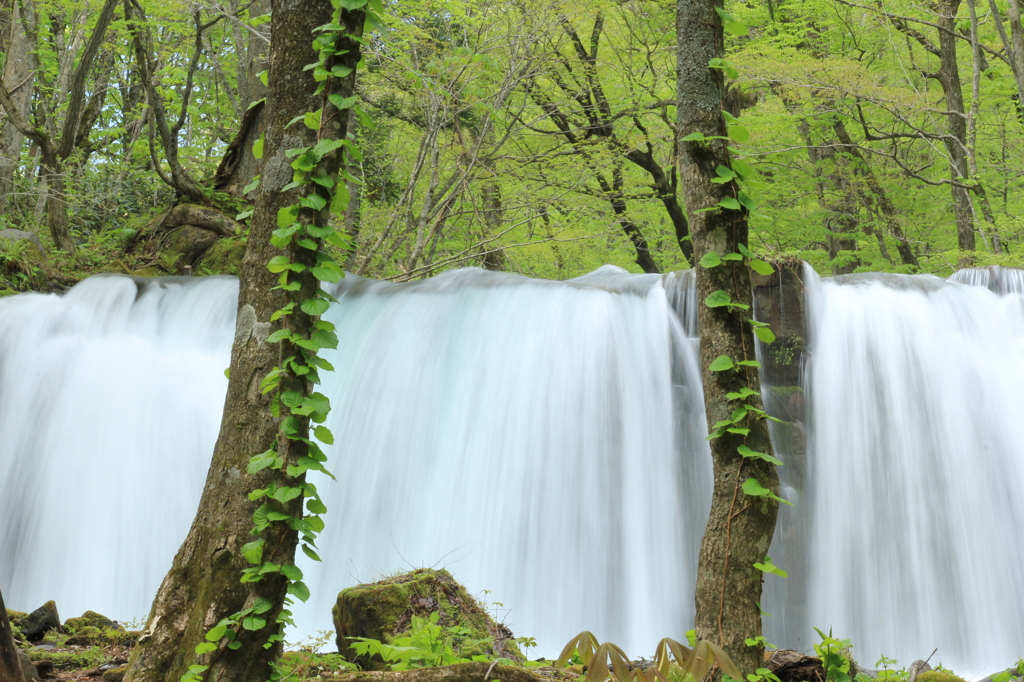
(835, 656)
(427, 644)
(1014, 673)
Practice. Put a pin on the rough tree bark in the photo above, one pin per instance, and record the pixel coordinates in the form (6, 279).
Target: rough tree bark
(10, 664)
(203, 585)
(740, 527)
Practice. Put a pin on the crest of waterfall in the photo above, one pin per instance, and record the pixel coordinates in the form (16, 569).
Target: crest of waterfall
(916, 466)
(542, 440)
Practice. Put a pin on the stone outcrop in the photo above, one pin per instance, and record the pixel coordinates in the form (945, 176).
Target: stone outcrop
(40, 621)
(385, 609)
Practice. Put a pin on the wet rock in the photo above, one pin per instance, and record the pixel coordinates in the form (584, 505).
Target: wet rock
(28, 668)
(40, 621)
(19, 235)
(115, 674)
(385, 610)
(792, 666)
(86, 635)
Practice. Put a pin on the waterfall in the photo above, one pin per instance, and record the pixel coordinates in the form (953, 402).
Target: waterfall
(542, 440)
(916, 466)
(110, 399)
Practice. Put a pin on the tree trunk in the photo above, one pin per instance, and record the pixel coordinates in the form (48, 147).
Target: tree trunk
(740, 527)
(841, 221)
(956, 116)
(18, 79)
(56, 204)
(881, 197)
(10, 663)
(203, 585)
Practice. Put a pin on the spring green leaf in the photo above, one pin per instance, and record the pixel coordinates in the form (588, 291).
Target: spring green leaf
(287, 215)
(738, 133)
(315, 306)
(253, 552)
(717, 299)
(312, 119)
(285, 494)
(744, 392)
(769, 567)
(253, 623)
(747, 453)
(324, 435)
(710, 259)
(261, 605)
(765, 334)
(340, 102)
(720, 364)
(729, 202)
(760, 267)
(299, 590)
(753, 487)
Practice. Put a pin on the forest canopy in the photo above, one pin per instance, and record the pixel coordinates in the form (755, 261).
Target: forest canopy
(530, 138)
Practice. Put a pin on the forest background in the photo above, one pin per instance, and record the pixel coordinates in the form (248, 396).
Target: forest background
(536, 138)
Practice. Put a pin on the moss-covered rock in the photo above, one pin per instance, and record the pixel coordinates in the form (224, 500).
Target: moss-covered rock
(115, 674)
(223, 258)
(938, 676)
(183, 246)
(44, 619)
(87, 619)
(385, 609)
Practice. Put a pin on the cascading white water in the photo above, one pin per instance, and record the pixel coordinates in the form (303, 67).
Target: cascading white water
(916, 466)
(520, 432)
(543, 441)
(110, 399)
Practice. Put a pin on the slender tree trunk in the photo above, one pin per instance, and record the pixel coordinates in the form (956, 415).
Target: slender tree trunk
(881, 198)
(956, 117)
(1014, 49)
(19, 67)
(10, 663)
(203, 585)
(840, 212)
(56, 204)
(740, 527)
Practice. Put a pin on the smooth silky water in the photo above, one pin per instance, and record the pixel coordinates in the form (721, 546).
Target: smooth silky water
(543, 441)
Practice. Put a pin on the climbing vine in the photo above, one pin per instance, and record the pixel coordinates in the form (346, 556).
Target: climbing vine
(305, 234)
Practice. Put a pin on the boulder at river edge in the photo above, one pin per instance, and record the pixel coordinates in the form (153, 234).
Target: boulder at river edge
(385, 609)
(40, 621)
